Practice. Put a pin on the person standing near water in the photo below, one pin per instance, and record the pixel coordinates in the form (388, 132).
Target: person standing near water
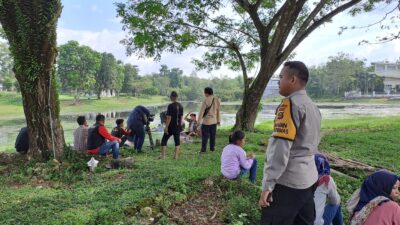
(173, 125)
(209, 118)
(290, 174)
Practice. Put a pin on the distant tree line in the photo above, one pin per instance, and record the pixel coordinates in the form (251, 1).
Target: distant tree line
(341, 74)
(82, 70)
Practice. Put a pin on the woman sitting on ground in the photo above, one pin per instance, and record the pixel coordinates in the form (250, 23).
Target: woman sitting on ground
(377, 204)
(326, 197)
(234, 162)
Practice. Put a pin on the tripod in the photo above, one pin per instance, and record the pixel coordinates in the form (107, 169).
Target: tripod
(148, 130)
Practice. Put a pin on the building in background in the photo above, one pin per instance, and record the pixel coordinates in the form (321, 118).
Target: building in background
(391, 75)
(272, 89)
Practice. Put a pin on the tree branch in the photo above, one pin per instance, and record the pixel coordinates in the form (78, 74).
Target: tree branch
(243, 67)
(285, 24)
(238, 30)
(252, 11)
(301, 35)
(275, 18)
(205, 30)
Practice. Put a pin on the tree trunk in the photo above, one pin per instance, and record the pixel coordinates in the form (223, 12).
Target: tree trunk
(30, 28)
(247, 113)
(46, 136)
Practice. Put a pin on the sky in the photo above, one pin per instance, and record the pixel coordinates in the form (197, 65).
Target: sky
(94, 23)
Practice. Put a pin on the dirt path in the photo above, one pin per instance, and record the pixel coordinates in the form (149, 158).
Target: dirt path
(205, 208)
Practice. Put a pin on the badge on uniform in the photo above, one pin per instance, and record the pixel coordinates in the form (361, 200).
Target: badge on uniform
(284, 126)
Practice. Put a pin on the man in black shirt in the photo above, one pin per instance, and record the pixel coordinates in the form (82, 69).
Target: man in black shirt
(173, 126)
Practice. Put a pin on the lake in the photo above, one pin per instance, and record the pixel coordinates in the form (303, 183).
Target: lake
(10, 128)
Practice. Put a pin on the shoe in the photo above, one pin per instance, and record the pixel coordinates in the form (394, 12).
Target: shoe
(140, 151)
(202, 152)
(113, 165)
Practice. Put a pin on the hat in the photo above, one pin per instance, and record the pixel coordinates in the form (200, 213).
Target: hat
(174, 94)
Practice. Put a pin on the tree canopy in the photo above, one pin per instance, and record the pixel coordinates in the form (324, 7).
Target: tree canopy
(241, 34)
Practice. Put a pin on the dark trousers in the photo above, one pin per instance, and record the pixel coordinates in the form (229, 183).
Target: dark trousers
(290, 206)
(333, 215)
(139, 135)
(208, 132)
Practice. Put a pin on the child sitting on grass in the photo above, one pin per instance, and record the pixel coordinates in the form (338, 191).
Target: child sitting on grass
(234, 162)
(120, 132)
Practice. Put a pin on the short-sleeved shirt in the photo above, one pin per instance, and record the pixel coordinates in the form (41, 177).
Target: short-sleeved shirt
(80, 138)
(175, 111)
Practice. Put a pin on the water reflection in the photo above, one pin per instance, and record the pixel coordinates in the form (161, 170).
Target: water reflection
(9, 129)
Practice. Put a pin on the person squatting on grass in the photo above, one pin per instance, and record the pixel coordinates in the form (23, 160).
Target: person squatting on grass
(326, 197)
(290, 174)
(376, 202)
(97, 140)
(173, 125)
(120, 132)
(192, 129)
(81, 135)
(234, 162)
(209, 118)
(22, 141)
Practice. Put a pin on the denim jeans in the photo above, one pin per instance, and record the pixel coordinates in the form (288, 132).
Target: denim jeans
(252, 171)
(333, 215)
(208, 132)
(106, 146)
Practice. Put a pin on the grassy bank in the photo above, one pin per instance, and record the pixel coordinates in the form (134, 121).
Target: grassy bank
(11, 104)
(66, 194)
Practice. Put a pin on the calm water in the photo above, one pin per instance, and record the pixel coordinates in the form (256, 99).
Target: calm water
(9, 129)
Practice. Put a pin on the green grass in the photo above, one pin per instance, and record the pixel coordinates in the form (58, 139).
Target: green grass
(67, 194)
(11, 104)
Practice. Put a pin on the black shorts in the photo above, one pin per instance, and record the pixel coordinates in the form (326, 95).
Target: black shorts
(165, 138)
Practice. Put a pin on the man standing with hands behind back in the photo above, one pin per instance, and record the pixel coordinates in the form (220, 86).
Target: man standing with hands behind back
(290, 173)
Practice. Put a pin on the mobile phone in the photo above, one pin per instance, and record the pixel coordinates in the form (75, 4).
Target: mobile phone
(269, 198)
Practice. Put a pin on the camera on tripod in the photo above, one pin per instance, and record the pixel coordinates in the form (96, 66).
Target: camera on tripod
(150, 118)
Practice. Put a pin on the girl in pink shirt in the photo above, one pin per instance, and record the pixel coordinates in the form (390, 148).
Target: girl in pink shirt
(377, 200)
(234, 162)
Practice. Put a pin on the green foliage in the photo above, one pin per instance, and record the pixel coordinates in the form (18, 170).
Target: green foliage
(342, 74)
(77, 67)
(131, 73)
(106, 77)
(70, 195)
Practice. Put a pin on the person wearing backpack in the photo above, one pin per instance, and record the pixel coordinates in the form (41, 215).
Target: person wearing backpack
(173, 125)
(209, 118)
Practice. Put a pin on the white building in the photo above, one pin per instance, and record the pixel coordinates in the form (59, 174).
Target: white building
(272, 89)
(391, 75)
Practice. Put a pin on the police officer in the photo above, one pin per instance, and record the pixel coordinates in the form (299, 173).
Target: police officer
(290, 173)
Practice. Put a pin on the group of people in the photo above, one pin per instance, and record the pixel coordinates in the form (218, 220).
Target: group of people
(97, 140)
(297, 187)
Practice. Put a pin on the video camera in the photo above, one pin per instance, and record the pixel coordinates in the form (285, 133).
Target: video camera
(151, 118)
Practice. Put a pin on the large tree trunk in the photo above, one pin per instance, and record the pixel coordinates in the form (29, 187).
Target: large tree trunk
(30, 27)
(247, 113)
(46, 136)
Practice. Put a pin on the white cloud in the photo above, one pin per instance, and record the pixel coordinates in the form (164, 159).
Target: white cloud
(96, 9)
(314, 50)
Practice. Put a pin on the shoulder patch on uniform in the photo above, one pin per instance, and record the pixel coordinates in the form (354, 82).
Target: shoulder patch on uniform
(284, 126)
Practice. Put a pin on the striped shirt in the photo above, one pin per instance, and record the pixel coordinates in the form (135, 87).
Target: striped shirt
(80, 138)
